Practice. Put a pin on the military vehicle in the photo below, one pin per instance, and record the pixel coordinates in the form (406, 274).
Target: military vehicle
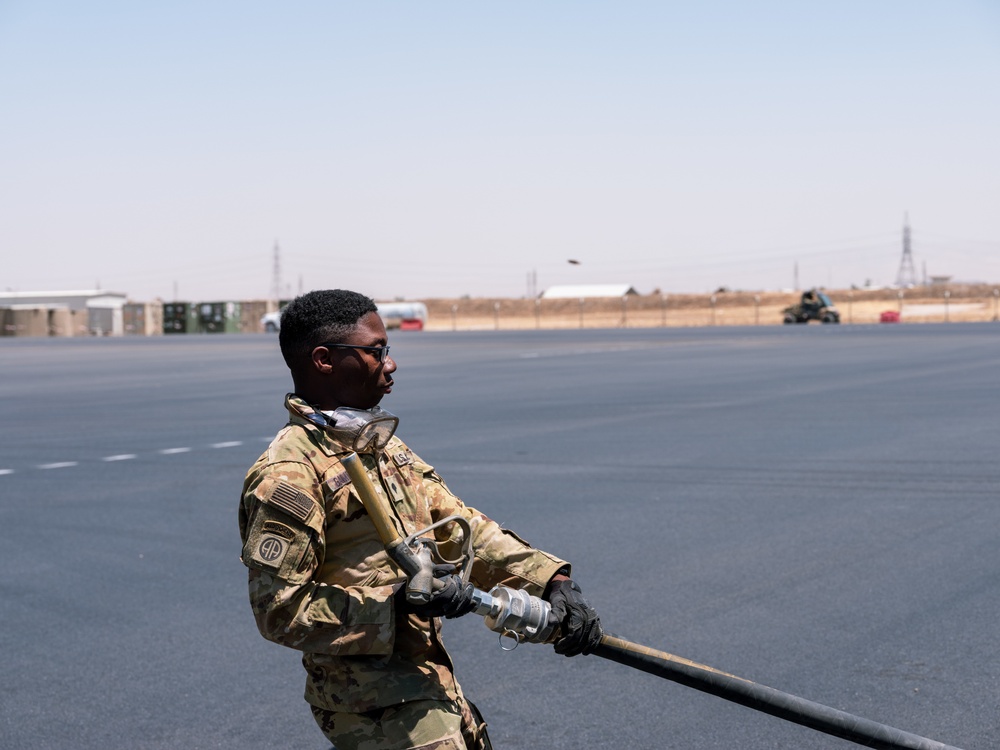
(814, 305)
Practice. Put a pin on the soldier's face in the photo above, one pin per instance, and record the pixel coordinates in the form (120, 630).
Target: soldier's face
(356, 377)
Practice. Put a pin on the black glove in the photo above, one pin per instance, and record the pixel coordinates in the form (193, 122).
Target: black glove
(453, 598)
(581, 627)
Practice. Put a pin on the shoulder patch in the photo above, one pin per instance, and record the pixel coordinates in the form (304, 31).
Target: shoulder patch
(338, 481)
(273, 527)
(290, 499)
(270, 550)
(402, 458)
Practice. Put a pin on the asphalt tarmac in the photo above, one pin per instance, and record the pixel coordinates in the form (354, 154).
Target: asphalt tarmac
(815, 508)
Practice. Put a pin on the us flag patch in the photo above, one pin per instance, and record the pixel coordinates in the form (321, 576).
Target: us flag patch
(295, 503)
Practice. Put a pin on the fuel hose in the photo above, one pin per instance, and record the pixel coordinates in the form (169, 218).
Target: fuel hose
(761, 698)
(511, 612)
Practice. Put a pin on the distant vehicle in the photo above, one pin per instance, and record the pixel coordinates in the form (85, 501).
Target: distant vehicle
(814, 305)
(407, 316)
(271, 322)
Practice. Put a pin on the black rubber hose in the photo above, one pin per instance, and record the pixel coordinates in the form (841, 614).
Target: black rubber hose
(760, 698)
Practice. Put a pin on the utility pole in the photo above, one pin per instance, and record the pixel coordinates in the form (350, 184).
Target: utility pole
(276, 275)
(907, 276)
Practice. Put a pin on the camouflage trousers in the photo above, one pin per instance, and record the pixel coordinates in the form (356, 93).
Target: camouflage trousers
(418, 725)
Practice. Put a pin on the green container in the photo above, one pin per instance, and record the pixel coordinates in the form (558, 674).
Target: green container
(218, 317)
(234, 317)
(211, 317)
(175, 317)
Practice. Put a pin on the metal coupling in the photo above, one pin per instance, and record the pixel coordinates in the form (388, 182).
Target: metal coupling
(514, 613)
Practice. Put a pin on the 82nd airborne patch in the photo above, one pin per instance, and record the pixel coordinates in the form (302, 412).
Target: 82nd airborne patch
(273, 544)
(271, 550)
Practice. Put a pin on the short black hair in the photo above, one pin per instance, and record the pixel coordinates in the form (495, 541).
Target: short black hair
(324, 315)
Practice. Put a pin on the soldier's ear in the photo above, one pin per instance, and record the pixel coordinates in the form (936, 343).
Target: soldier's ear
(321, 360)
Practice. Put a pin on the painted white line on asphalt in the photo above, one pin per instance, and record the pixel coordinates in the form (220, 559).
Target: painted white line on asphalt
(130, 456)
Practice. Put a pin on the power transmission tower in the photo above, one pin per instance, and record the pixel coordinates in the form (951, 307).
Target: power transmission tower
(276, 275)
(907, 275)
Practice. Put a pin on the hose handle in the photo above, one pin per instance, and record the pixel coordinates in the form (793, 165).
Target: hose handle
(377, 508)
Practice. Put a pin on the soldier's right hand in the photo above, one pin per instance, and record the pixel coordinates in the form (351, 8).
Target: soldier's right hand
(451, 597)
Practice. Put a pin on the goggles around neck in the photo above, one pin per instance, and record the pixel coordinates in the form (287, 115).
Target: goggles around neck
(365, 430)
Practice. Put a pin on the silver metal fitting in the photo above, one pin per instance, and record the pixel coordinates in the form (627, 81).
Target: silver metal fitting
(515, 613)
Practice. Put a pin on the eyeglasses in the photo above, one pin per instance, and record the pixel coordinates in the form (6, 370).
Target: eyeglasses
(381, 352)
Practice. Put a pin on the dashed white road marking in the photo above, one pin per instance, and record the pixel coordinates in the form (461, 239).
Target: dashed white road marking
(130, 456)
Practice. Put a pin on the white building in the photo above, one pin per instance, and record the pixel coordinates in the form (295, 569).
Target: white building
(99, 312)
(582, 291)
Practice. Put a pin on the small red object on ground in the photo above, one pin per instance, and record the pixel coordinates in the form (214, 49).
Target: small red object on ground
(889, 316)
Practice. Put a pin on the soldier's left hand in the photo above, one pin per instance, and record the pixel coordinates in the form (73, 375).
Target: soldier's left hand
(579, 623)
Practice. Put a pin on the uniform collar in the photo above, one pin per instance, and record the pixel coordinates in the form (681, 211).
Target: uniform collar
(306, 415)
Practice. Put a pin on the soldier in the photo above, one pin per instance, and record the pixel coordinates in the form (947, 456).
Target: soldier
(378, 675)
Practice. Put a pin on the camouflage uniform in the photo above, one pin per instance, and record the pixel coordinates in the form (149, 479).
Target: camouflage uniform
(322, 583)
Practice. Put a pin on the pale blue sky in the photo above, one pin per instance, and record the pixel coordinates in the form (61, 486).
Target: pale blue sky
(444, 148)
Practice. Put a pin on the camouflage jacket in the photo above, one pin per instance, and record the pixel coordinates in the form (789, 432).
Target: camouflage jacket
(321, 581)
